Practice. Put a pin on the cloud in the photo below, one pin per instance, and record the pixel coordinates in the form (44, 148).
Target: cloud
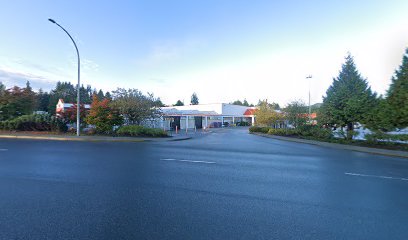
(168, 51)
(10, 79)
(44, 69)
(86, 64)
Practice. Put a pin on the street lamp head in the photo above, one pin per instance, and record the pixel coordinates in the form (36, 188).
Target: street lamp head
(51, 20)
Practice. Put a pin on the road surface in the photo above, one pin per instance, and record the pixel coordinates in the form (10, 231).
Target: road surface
(223, 185)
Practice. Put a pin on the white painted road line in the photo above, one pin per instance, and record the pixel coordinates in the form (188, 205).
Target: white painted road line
(3, 149)
(375, 176)
(184, 160)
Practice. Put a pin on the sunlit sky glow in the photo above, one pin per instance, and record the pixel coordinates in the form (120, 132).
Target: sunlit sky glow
(222, 50)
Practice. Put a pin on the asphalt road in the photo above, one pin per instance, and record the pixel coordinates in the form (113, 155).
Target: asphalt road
(223, 185)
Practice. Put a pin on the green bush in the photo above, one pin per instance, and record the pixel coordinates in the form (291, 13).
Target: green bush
(282, 132)
(314, 131)
(259, 129)
(374, 137)
(34, 122)
(243, 124)
(140, 131)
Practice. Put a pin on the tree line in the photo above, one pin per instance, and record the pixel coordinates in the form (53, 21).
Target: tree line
(129, 106)
(349, 100)
(17, 101)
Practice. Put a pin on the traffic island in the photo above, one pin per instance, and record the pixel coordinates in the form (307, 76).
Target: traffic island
(386, 152)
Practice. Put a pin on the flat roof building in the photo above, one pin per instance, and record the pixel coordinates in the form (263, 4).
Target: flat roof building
(207, 115)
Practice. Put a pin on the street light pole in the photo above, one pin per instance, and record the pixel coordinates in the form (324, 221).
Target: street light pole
(310, 110)
(79, 74)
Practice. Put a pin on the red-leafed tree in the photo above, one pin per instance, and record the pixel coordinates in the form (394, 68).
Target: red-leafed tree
(103, 116)
(70, 114)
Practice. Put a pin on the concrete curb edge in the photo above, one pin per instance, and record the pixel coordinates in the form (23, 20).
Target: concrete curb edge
(90, 139)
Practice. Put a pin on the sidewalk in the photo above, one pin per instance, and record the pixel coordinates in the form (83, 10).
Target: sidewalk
(386, 152)
(56, 137)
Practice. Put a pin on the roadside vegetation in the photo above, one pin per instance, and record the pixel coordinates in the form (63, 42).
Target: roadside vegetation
(140, 131)
(22, 109)
(348, 102)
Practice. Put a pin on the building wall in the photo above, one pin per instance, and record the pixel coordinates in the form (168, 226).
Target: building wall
(218, 112)
(216, 107)
(233, 110)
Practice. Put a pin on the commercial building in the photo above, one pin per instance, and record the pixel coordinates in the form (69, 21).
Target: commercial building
(206, 116)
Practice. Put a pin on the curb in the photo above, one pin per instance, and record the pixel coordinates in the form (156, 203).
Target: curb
(92, 139)
(378, 151)
(52, 138)
(179, 139)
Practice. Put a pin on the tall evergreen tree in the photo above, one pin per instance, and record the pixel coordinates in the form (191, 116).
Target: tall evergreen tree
(245, 103)
(179, 103)
(348, 100)
(29, 98)
(397, 95)
(2, 89)
(108, 96)
(100, 95)
(194, 99)
(63, 90)
(43, 99)
(237, 102)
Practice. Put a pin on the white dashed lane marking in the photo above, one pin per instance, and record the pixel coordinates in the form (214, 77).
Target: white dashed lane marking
(3, 149)
(185, 160)
(376, 176)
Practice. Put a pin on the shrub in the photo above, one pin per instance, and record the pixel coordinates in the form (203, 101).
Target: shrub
(282, 132)
(34, 122)
(259, 129)
(374, 137)
(244, 124)
(140, 131)
(315, 132)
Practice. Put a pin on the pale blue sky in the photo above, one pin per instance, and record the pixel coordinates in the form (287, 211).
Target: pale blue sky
(223, 50)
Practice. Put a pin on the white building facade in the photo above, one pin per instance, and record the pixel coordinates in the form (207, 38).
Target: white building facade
(204, 116)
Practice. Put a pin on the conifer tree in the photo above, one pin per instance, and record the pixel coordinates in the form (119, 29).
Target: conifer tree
(348, 100)
(397, 95)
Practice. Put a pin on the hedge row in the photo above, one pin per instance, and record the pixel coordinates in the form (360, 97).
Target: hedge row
(259, 129)
(34, 122)
(304, 131)
(387, 137)
(140, 131)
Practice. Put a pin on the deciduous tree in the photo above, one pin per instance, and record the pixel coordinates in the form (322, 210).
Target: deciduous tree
(266, 115)
(135, 106)
(296, 113)
(103, 116)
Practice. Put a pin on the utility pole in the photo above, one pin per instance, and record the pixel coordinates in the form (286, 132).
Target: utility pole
(310, 110)
(79, 74)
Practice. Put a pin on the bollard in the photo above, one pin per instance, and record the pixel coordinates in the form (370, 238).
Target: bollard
(176, 129)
